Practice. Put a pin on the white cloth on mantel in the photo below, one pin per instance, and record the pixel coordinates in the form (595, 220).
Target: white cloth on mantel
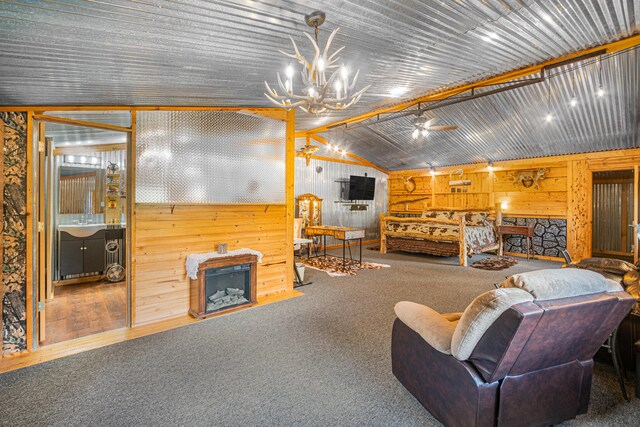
(194, 260)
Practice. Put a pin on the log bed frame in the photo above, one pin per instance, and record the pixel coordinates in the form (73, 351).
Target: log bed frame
(440, 246)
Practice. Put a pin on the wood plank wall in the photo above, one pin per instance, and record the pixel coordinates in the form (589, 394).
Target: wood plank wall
(565, 193)
(164, 238)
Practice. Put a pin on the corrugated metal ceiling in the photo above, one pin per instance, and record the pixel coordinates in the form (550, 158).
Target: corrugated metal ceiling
(513, 124)
(197, 52)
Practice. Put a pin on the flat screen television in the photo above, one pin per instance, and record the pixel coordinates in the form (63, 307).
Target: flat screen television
(361, 187)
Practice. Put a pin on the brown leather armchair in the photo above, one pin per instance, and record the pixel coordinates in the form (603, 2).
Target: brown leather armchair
(518, 355)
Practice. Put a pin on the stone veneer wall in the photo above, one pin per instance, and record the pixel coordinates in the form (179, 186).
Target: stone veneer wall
(14, 235)
(550, 236)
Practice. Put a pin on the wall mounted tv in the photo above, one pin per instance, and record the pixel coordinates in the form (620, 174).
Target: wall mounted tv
(361, 187)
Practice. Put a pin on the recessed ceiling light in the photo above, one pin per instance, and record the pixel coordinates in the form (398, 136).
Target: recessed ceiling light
(549, 117)
(573, 102)
(600, 92)
(398, 91)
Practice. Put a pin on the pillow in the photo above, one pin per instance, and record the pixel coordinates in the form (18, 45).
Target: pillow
(477, 219)
(480, 315)
(437, 214)
(561, 283)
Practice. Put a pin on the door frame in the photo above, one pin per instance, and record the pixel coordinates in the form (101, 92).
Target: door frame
(43, 286)
(636, 200)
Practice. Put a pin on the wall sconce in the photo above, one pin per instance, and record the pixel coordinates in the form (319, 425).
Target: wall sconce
(490, 166)
(504, 206)
(432, 171)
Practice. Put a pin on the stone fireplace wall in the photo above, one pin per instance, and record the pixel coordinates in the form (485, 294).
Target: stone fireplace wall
(550, 236)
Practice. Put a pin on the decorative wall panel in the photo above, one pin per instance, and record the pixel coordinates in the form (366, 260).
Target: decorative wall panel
(209, 157)
(550, 236)
(323, 184)
(14, 253)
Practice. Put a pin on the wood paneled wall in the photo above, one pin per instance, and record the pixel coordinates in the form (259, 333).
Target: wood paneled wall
(164, 237)
(486, 190)
(565, 193)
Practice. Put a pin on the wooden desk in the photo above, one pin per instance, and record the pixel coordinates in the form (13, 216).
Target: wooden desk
(340, 233)
(519, 230)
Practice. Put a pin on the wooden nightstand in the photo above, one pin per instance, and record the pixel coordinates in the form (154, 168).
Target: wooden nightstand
(520, 230)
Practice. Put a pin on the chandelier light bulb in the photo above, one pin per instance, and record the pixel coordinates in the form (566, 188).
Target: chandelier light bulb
(330, 147)
(320, 64)
(336, 148)
(600, 92)
(343, 152)
(287, 85)
(338, 86)
(425, 133)
(416, 133)
(573, 102)
(344, 73)
(289, 72)
(549, 117)
(312, 92)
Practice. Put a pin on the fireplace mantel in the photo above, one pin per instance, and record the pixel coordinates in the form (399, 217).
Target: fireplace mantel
(222, 285)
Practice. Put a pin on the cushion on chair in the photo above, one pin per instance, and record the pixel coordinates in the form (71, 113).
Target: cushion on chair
(480, 315)
(561, 283)
(434, 328)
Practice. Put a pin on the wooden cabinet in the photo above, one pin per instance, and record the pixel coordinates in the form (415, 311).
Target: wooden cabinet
(81, 255)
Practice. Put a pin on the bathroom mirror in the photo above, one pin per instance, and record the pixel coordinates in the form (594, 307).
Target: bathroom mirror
(81, 190)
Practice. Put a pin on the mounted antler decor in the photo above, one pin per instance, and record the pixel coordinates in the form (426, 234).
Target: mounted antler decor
(458, 182)
(409, 184)
(528, 178)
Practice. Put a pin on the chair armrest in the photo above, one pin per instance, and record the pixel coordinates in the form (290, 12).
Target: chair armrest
(434, 328)
(452, 317)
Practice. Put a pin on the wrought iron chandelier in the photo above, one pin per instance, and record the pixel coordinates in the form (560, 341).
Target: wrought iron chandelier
(319, 93)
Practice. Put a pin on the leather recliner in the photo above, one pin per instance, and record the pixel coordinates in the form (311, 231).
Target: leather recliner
(519, 355)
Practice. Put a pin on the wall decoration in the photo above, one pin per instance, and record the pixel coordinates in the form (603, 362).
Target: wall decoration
(410, 184)
(529, 178)
(14, 254)
(458, 182)
(307, 151)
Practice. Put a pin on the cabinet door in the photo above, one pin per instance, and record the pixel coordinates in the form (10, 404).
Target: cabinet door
(71, 254)
(93, 255)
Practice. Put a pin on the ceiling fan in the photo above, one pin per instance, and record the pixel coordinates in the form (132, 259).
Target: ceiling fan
(423, 125)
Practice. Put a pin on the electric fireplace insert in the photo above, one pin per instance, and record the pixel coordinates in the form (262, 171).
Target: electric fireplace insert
(223, 284)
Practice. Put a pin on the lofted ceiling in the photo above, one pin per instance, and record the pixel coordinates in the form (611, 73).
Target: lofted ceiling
(218, 53)
(514, 124)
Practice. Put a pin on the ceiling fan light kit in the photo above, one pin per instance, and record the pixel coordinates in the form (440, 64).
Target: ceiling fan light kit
(319, 93)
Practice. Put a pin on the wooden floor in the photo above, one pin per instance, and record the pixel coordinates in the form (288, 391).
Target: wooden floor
(85, 309)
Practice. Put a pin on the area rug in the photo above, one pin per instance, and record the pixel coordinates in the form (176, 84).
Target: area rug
(334, 268)
(495, 263)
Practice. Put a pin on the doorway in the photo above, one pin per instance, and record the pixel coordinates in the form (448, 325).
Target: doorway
(82, 209)
(613, 203)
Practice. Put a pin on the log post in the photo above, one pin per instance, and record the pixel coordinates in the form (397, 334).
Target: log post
(383, 236)
(462, 241)
(497, 227)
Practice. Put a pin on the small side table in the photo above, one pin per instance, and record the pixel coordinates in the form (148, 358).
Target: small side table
(520, 230)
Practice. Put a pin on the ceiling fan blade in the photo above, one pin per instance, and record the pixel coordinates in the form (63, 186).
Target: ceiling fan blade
(445, 127)
(429, 122)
